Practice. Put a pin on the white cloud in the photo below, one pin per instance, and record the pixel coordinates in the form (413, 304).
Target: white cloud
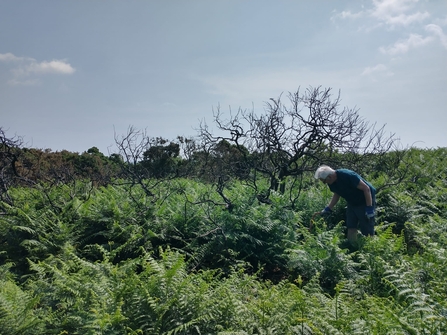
(378, 69)
(346, 14)
(8, 57)
(403, 46)
(55, 66)
(349, 14)
(394, 12)
(437, 30)
(30, 67)
(383, 8)
(405, 20)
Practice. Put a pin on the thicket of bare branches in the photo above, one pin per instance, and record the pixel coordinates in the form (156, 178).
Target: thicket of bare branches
(9, 155)
(293, 137)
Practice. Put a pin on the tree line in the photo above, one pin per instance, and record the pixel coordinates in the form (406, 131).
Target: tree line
(287, 140)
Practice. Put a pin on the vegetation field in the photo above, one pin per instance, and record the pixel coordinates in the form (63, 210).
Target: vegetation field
(83, 259)
(218, 235)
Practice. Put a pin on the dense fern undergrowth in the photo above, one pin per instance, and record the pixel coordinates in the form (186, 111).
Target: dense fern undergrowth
(76, 259)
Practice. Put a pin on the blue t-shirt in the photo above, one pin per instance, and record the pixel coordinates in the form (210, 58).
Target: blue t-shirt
(346, 186)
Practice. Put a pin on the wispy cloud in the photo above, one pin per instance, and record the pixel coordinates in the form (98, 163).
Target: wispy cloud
(52, 67)
(437, 31)
(26, 67)
(391, 13)
(395, 12)
(407, 19)
(403, 46)
(378, 69)
(9, 57)
(347, 14)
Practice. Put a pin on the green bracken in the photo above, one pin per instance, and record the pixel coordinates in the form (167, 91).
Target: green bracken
(84, 259)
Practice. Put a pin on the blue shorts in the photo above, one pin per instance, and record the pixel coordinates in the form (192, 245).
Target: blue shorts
(356, 218)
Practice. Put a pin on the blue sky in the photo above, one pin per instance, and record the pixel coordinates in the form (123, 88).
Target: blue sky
(75, 73)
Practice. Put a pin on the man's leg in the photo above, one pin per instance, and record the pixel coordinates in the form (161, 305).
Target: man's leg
(352, 235)
(351, 224)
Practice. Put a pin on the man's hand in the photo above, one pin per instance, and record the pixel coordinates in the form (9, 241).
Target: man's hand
(326, 211)
(369, 212)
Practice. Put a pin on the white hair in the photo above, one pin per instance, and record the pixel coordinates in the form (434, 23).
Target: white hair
(323, 171)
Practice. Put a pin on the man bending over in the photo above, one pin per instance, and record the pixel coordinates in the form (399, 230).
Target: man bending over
(359, 194)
